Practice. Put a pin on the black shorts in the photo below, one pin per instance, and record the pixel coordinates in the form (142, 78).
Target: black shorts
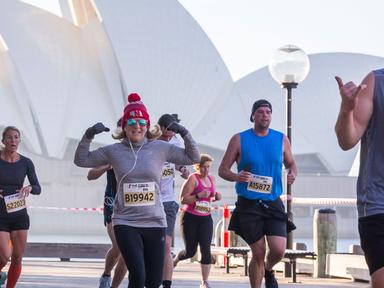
(170, 208)
(254, 219)
(371, 230)
(19, 222)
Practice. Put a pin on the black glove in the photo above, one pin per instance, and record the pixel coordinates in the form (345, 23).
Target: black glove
(166, 120)
(95, 129)
(177, 128)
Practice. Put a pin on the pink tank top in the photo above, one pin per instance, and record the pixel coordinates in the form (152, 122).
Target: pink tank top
(202, 207)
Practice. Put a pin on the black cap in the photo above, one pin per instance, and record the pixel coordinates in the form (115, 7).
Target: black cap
(258, 104)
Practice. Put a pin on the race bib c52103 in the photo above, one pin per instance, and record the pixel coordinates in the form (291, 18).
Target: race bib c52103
(139, 194)
(14, 203)
(261, 184)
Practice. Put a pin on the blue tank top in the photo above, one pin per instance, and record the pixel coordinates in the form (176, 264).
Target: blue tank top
(370, 183)
(263, 157)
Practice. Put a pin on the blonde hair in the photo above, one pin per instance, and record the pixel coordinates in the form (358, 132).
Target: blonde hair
(203, 158)
(153, 133)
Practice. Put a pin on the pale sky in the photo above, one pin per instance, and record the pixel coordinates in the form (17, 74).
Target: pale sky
(246, 32)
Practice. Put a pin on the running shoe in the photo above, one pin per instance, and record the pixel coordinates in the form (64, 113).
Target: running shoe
(205, 284)
(3, 277)
(105, 282)
(270, 280)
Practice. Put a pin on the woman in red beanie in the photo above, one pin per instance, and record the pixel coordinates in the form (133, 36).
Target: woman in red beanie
(138, 215)
(113, 258)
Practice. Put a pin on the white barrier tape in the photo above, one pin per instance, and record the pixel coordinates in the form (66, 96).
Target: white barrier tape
(349, 202)
(295, 200)
(94, 209)
(322, 201)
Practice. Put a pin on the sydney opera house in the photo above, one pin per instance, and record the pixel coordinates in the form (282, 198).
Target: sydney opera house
(59, 75)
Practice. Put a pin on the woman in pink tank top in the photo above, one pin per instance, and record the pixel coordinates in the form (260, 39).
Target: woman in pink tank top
(196, 222)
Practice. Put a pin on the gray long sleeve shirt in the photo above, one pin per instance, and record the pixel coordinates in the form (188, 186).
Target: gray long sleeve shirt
(138, 202)
(370, 184)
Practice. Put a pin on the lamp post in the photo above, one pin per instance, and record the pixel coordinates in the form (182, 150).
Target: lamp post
(289, 66)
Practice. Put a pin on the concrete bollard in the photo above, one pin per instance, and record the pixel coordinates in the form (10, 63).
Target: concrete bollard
(299, 246)
(324, 239)
(355, 249)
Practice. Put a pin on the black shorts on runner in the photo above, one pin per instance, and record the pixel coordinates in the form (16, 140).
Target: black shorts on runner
(254, 219)
(19, 222)
(371, 230)
(170, 208)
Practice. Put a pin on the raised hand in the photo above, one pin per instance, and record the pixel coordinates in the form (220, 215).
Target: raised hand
(177, 128)
(349, 92)
(95, 129)
(166, 120)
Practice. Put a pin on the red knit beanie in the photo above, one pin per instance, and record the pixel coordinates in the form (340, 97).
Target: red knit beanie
(135, 109)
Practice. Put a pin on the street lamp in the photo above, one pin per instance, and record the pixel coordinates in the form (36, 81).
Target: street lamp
(289, 66)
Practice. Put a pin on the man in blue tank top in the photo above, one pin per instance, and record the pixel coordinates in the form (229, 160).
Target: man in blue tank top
(259, 216)
(361, 117)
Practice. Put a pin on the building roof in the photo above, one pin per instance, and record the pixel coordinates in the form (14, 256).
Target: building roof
(59, 77)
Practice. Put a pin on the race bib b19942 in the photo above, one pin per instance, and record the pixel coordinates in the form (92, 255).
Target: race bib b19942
(139, 194)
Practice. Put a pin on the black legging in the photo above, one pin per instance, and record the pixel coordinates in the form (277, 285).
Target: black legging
(196, 230)
(143, 252)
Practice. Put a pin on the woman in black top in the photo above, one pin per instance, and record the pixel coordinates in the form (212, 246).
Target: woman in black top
(14, 219)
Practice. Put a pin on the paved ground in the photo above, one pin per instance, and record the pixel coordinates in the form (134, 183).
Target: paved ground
(83, 274)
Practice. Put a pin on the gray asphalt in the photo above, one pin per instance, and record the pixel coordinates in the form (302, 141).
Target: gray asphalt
(85, 274)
